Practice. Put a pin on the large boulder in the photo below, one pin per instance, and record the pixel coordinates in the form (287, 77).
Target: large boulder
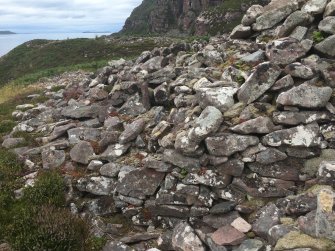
(306, 95)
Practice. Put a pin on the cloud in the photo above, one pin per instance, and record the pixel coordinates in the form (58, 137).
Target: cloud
(64, 15)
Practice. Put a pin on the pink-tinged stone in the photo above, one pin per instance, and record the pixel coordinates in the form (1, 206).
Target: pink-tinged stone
(241, 225)
(227, 235)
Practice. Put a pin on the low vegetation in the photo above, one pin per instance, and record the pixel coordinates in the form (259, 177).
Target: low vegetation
(43, 58)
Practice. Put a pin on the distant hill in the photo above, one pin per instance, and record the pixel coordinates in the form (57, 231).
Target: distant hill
(6, 32)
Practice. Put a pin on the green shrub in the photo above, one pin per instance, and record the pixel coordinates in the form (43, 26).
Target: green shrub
(47, 228)
(6, 126)
(49, 189)
(318, 36)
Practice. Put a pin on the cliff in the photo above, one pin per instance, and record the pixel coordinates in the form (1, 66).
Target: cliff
(199, 17)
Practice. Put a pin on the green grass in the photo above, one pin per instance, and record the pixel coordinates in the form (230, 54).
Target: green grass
(42, 58)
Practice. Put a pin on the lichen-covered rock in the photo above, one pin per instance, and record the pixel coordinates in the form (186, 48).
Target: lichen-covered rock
(260, 125)
(302, 117)
(306, 136)
(299, 70)
(315, 6)
(297, 18)
(53, 158)
(327, 25)
(273, 16)
(228, 144)
(139, 183)
(260, 81)
(220, 97)
(96, 185)
(132, 131)
(326, 47)
(268, 217)
(305, 95)
(295, 240)
(82, 152)
(251, 14)
(184, 238)
(287, 50)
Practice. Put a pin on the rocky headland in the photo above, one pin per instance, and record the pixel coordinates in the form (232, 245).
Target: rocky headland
(225, 145)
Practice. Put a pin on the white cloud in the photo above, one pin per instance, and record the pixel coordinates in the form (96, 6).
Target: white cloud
(64, 15)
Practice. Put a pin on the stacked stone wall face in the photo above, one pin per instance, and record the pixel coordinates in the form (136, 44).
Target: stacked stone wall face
(222, 145)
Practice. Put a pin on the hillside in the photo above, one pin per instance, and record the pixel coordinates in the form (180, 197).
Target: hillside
(6, 32)
(44, 57)
(199, 17)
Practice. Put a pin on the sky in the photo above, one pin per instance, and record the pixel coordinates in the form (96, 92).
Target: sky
(37, 16)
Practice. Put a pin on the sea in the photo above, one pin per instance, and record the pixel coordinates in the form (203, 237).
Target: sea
(9, 42)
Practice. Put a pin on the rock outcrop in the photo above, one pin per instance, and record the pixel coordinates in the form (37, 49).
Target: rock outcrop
(199, 17)
(226, 145)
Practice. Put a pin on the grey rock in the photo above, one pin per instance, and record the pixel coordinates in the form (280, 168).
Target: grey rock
(177, 159)
(139, 237)
(140, 183)
(286, 50)
(223, 207)
(102, 206)
(326, 173)
(53, 158)
(80, 112)
(270, 155)
(306, 136)
(153, 64)
(81, 133)
(208, 122)
(278, 231)
(114, 151)
(210, 57)
(133, 106)
(292, 21)
(96, 185)
(327, 25)
(282, 83)
(305, 95)
(251, 245)
(251, 14)
(312, 165)
(241, 31)
(299, 70)
(97, 94)
(272, 17)
(268, 217)
(156, 164)
(303, 117)
(264, 76)
(298, 204)
(233, 167)
(82, 152)
(94, 165)
(330, 9)
(281, 170)
(263, 187)
(60, 131)
(254, 58)
(326, 47)
(228, 144)
(208, 178)
(132, 131)
(260, 125)
(117, 246)
(12, 142)
(220, 97)
(161, 94)
(315, 6)
(110, 170)
(184, 238)
(299, 33)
